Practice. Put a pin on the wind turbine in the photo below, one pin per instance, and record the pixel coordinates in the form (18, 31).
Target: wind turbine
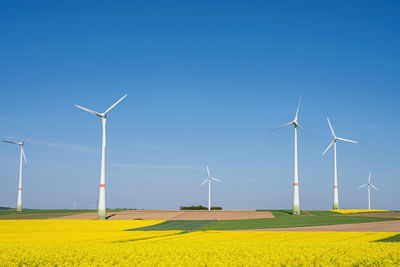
(209, 178)
(102, 193)
(21, 145)
(295, 123)
(369, 189)
(335, 186)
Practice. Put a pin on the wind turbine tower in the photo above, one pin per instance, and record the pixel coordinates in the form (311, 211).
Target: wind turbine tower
(208, 179)
(102, 193)
(369, 189)
(22, 155)
(335, 183)
(295, 123)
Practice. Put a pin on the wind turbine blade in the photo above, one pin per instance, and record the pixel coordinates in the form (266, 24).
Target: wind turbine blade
(298, 107)
(27, 136)
(346, 140)
(9, 142)
(374, 187)
(88, 110)
(205, 181)
(23, 153)
(215, 179)
(330, 126)
(110, 108)
(369, 178)
(364, 185)
(307, 133)
(287, 124)
(208, 171)
(326, 150)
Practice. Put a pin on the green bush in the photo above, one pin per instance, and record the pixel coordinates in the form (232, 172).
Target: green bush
(200, 207)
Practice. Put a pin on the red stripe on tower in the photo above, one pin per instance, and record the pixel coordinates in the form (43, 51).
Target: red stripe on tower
(102, 185)
(295, 184)
(335, 186)
(19, 189)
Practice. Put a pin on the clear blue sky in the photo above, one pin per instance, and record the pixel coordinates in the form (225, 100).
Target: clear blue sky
(205, 83)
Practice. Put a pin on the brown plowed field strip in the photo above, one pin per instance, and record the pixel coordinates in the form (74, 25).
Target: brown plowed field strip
(386, 226)
(176, 215)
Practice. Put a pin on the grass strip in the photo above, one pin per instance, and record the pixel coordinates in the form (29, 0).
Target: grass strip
(37, 214)
(28, 211)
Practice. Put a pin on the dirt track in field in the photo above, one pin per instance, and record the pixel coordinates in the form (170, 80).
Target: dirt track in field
(176, 215)
(387, 226)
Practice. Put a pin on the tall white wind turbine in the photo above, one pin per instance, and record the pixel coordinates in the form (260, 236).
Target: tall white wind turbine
(295, 123)
(208, 179)
(22, 154)
(335, 184)
(102, 193)
(369, 189)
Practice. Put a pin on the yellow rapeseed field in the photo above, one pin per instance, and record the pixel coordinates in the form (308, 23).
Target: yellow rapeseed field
(356, 211)
(104, 243)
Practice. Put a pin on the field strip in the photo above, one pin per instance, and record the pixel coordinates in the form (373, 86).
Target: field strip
(189, 215)
(386, 226)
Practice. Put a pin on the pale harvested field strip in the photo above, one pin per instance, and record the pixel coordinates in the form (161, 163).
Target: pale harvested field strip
(387, 226)
(176, 215)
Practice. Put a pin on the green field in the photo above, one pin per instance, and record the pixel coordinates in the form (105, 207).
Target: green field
(283, 219)
(283, 222)
(12, 214)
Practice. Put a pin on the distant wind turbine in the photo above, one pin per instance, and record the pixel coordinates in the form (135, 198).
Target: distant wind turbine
(295, 123)
(21, 145)
(335, 184)
(102, 194)
(369, 189)
(209, 178)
